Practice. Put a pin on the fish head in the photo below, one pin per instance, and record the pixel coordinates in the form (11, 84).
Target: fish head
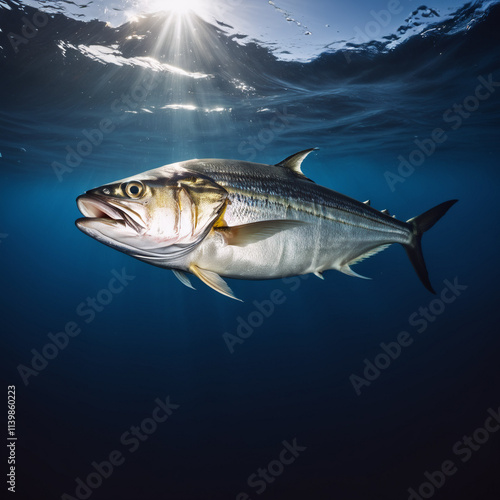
(156, 216)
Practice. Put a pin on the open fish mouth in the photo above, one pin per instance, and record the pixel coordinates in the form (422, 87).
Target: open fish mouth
(98, 209)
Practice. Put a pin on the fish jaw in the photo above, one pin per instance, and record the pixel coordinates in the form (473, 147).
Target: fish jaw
(95, 207)
(132, 229)
(108, 223)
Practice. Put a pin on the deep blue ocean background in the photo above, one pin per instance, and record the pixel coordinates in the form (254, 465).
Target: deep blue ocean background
(291, 377)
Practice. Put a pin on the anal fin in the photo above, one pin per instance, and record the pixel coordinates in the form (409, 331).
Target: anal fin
(347, 270)
(213, 280)
(369, 253)
(346, 267)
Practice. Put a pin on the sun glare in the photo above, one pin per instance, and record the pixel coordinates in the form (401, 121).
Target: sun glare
(179, 7)
(185, 6)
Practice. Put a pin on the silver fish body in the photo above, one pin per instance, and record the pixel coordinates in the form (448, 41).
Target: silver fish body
(236, 219)
(336, 229)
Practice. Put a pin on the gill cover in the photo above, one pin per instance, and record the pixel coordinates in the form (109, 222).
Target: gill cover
(198, 203)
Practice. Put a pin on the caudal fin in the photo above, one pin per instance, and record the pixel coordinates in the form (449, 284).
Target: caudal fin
(420, 225)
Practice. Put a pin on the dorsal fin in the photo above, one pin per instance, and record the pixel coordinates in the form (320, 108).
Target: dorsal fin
(295, 161)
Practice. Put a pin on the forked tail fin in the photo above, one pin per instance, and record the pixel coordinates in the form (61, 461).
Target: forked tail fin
(420, 225)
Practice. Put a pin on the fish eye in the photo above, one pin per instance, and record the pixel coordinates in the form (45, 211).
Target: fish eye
(134, 189)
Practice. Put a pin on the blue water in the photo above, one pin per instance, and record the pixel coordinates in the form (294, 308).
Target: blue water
(290, 375)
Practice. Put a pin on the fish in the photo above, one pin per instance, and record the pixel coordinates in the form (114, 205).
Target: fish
(218, 218)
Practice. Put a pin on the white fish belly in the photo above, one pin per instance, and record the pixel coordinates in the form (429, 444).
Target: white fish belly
(314, 247)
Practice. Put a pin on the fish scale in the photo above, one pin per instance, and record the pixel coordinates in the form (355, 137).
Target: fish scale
(303, 196)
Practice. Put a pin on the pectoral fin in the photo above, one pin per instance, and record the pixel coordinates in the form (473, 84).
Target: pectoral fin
(213, 280)
(256, 231)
